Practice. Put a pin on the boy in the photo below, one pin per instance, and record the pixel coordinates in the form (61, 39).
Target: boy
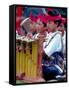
(52, 55)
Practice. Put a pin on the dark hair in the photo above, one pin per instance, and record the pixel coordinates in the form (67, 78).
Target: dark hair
(58, 22)
(44, 24)
(65, 25)
(55, 13)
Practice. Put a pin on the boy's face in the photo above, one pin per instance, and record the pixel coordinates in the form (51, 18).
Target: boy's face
(32, 26)
(51, 26)
(39, 25)
(61, 28)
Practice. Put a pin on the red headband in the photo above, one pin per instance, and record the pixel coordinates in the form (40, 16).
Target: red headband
(46, 18)
(42, 18)
(52, 18)
(32, 17)
(49, 9)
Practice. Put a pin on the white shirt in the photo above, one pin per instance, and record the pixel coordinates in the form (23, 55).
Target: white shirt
(36, 36)
(64, 42)
(53, 44)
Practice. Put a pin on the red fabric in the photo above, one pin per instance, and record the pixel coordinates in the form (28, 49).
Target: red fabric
(19, 14)
(18, 24)
(19, 11)
(42, 18)
(46, 18)
(32, 17)
(52, 18)
(49, 9)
